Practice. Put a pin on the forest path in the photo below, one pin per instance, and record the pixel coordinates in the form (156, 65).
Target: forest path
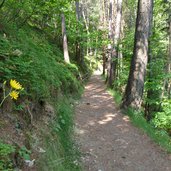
(107, 139)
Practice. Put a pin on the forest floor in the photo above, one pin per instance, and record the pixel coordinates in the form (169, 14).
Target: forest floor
(108, 141)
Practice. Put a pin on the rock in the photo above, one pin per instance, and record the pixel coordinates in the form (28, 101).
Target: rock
(49, 110)
(41, 150)
(30, 163)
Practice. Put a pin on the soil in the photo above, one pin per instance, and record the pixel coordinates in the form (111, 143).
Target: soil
(108, 141)
(24, 129)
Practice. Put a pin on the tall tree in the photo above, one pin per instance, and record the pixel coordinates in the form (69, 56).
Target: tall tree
(103, 23)
(135, 86)
(109, 78)
(114, 35)
(79, 53)
(117, 33)
(169, 52)
(65, 43)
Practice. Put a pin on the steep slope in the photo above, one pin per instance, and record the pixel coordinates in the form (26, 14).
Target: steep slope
(37, 127)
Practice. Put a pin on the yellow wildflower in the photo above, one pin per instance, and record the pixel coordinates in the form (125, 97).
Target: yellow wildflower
(14, 95)
(15, 85)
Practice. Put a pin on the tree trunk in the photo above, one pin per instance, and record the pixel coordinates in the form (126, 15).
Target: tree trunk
(104, 61)
(103, 25)
(109, 78)
(85, 18)
(114, 35)
(65, 43)
(135, 86)
(79, 56)
(169, 58)
(117, 36)
(151, 94)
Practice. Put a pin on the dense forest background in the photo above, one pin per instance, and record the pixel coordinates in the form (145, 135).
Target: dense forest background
(51, 47)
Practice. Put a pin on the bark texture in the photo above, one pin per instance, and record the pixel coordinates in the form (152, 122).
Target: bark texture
(117, 33)
(135, 85)
(79, 56)
(109, 78)
(114, 35)
(65, 43)
(169, 58)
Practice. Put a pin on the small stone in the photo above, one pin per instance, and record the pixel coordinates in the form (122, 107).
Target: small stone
(30, 163)
(41, 150)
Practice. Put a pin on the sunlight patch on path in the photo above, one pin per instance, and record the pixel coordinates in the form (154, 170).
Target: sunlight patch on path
(107, 139)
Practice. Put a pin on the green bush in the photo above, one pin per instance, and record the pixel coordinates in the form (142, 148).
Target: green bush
(29, 58)
(6, 150)
(61, 152)
(163, 119)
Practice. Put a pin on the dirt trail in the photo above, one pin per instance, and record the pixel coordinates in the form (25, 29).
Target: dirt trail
(107, 139)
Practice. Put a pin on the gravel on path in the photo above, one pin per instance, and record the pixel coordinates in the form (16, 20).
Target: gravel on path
(108, 141)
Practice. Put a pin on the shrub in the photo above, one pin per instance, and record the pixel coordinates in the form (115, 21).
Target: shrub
(29, 58)
(5, 160)
(163, 119)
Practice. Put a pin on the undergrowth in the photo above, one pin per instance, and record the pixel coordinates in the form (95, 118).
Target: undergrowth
(161, 137)
(27, 56)
(6, 150)
(62, 153)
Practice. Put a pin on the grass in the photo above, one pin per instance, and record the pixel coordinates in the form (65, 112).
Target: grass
(117, 96)
(61, 151)
(159, 136)
(38, 65)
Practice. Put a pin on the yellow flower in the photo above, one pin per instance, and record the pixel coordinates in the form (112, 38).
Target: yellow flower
(15, 85)
(14, 95)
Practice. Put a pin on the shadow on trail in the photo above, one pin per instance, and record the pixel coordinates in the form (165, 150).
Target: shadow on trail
(107, 139)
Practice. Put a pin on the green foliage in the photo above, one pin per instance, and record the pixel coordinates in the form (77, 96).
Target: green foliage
(128, 44)
(159, 136)
(24, 153)
(163, 119)
(156, 71)
(61, 152)
(124, 64)
(65, 120)
(29, 58)
(117, 96)
(136, 117)
(31, 53)
(6, 150)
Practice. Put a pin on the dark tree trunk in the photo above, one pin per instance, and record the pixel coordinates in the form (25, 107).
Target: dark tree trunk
(78, 48)
(78, 51)
(151, 94)
(109, 78)
(135, 86)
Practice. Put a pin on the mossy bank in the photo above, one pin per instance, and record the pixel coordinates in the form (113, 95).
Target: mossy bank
(36, 129)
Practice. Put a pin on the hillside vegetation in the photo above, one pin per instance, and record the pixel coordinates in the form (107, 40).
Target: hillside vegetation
(42, 117)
